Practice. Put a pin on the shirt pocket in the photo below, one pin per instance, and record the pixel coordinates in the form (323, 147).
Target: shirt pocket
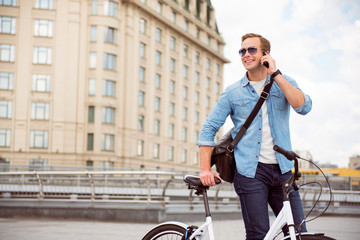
(242, 108)
(279, 100)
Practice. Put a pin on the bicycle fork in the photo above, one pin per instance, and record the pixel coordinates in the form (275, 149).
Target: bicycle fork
(284, 217)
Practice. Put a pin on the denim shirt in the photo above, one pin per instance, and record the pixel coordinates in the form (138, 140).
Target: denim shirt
(238, 100)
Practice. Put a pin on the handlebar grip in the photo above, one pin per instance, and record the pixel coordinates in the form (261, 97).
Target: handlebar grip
(288, 154)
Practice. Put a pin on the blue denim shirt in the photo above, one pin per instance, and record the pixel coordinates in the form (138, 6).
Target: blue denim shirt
(238, 100)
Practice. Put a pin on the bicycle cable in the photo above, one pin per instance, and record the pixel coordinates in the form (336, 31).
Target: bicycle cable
(318, 199)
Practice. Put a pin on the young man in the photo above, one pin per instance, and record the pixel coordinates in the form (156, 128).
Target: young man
(260, 170)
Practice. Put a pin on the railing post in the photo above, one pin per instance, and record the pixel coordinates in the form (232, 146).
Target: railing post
(41, 192)
(165, 187)
(92, 188)
(149, 190)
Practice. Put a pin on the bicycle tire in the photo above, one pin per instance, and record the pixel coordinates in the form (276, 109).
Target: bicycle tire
(166, 231)
(319, 236)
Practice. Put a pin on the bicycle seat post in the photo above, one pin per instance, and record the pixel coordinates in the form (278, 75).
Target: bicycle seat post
(206, 203)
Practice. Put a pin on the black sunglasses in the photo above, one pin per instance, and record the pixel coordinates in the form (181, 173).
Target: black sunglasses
(251, 50)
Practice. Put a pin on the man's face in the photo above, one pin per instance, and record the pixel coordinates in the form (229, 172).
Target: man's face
(251, 62)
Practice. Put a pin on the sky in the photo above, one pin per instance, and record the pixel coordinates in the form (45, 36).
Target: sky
(317, 43)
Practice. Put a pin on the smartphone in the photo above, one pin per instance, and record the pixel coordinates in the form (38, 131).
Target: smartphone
(266, 64)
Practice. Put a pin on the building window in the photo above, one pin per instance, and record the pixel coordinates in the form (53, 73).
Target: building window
(107, 142)
(109, 61)
(217, 86)
(42, 55)
(141, 123)
(172, 43)
(7, 25)
(90, 141)
(197, 97)
(7, 53)
(142, 50)
(38, 164)
(186, 5)
(94, 7)
(217, 69)
(208, 41)
(184, 156)
(108, 115)
(197, 77)
(172, 65)
(93, 33)
(92, 60)
(196, 158)
(196, 136)
(208, 82)
(5, 137)
(184, 134)
(41, 83)
(172, 109)
(44, 4)
(156, 150)
(141, 98)
(157, 127)
(185, 73)
(159, 8)
(43, 28)
(207, 102)
(157, 80)
(40, 111)
(208, 63)
(5, 109)
(171, 153)
(157, 104)
(172, 86)
(158, 34)
(186, 50)
(109, 88)
(197, 117)
(171, 130)
(197, 57)
(89, 165)
(142, 74)
(106, 165)
(38, 139)
(184, 113)
(91, 114)
(185, 92)
(110, 8)
(140, 148)
(11, 3)
(173, 17)
(110, 35)
(92, 87)
(158, 58)
(143, 26)
(6, 81)
(186, 26)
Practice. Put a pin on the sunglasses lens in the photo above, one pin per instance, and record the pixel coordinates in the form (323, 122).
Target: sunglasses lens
(252, 50)
(242, 52)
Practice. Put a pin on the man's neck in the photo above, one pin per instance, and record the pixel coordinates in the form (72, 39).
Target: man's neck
(257, 75)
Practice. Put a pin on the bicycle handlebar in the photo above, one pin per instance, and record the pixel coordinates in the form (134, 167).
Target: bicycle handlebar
(288, 154)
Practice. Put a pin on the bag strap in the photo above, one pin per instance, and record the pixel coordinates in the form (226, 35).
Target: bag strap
(263, 96)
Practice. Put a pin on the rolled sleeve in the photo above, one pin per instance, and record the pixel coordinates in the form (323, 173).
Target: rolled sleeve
(306, 107)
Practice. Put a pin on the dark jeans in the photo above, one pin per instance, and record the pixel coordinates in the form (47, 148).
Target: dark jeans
(256, 193)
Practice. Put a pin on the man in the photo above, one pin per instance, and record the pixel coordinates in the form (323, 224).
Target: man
(260, 170)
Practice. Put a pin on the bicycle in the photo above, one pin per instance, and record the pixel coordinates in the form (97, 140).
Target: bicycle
(177, 230)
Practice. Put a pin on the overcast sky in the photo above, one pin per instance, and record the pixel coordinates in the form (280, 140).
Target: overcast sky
(316, 42)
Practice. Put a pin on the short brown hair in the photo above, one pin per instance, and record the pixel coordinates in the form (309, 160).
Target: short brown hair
(265, 44)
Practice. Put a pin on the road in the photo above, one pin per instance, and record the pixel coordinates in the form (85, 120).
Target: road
(53, 229)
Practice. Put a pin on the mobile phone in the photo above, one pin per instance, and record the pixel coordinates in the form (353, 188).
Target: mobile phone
(266, 64)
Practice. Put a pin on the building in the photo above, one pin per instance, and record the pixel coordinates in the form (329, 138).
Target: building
(354, 162)
(107, 83)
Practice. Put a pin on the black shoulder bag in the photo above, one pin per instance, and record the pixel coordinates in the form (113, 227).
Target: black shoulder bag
(223, 152)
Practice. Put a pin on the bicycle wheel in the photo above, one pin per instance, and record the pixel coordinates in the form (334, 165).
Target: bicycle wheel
(316, 236)
(166, 231)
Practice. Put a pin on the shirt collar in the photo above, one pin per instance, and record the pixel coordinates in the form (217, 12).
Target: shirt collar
(245, 81)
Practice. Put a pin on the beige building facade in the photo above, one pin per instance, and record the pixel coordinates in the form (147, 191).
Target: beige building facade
(107, 84)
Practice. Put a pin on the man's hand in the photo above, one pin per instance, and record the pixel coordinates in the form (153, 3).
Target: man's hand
(207, 178)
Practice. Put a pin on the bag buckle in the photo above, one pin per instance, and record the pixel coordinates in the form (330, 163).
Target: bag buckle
(264, 95)
(229, 149)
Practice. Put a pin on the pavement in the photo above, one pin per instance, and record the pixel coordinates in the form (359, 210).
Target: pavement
(54, 229)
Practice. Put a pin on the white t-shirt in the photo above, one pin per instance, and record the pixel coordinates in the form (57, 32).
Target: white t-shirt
(267, 154)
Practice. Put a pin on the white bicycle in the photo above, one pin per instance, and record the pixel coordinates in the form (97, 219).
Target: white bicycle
(177, 230)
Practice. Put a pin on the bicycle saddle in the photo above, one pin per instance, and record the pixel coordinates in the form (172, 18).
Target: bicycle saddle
(195, 180)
